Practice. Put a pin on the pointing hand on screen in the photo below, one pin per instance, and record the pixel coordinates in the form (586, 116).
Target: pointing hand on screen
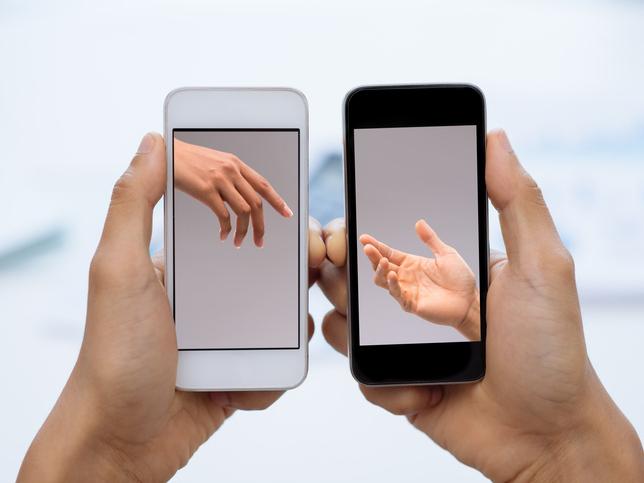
(441, 289)
(119, 417)
(217, 178)
(541, 413)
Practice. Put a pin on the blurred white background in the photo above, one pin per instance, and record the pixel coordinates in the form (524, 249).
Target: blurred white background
(81, 82)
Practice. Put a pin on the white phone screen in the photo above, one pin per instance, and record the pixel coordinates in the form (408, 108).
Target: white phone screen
(227, 297)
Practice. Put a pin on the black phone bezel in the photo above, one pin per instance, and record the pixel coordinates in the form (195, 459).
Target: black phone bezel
(414, 106)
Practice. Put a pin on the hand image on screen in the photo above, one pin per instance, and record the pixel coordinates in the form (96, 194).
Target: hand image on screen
(441, 290)
(217, 178)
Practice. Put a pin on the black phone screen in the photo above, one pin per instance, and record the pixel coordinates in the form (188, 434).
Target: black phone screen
(417, 223)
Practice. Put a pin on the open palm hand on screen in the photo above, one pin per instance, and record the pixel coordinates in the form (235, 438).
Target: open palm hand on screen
(441, 289)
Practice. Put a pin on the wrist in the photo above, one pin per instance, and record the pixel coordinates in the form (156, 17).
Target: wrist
(180, 164)
(470, 326)
(605, 448)
(69, 447)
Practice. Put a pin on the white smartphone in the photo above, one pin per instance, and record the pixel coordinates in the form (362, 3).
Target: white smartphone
(240, 308)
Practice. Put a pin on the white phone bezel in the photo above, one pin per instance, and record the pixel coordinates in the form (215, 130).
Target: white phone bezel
(208, 107)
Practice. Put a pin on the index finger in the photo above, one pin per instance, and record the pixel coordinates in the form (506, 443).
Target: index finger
(266, 190)
(385, 250)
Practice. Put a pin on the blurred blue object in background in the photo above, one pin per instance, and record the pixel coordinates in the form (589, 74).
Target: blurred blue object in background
(20, 251)
(326, 189)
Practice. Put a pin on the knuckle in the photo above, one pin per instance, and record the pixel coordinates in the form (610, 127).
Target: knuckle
(244, 210)
(533, 190)
(229, 168)
(257, 203)
(224, 221)
(205, 188)
(562, 263)
(123, 187)
(551, 266)
(264, 184)
(108, 268)
(217, 177)
(98, 268)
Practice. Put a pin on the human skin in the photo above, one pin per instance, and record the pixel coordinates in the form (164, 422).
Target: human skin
(217, 178)
(440, 289)
(119, 417)
(541, 412)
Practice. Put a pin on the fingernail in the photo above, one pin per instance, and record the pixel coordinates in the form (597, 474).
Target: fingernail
(146, 145)
(287, 210)
(505, 141)
(220, 398)
(260, 243)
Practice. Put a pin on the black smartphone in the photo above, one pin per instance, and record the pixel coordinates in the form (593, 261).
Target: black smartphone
(417, 229)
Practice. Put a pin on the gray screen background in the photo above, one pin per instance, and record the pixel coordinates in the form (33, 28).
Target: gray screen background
(248, 297)
(401, 176)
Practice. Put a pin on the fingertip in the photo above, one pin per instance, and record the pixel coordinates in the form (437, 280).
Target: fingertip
(501, 137)
(286, 211)
(501, 169)
(147, 144)
(317, 249)
(335, 241)
(314, 225)
(371, 252)
(311, 326)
